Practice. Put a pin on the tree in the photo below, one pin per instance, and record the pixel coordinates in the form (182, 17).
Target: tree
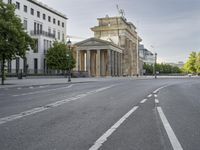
(197, 64)
(162, 68)
(148, 69)
(190, 65)
(57, 57)
(14, 41)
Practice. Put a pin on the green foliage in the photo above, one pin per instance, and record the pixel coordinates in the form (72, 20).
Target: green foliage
(148, 69)
(193, 64)
(57, 57)
(190, 64)
(197, 64)
(161, 68)
(14, 41)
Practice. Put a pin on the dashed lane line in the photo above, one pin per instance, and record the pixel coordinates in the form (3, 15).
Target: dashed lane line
(99, 142)
(171, 135)
(155, 95)
(143, 101)
(159, 89)
(109, 132)
(36, 92)
(156, 101)
(49, 106)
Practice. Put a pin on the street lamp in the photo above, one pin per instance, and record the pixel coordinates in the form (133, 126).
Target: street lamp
(69, 60)
(155, 74)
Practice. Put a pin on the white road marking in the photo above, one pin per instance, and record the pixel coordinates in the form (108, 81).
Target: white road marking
(19, 88)
(36, 92)
(172, 137)
(49, 106)
(31, 87)
(149, 95)
(104, 137)
(159, 89)
(143, 101)
(155, 95)
(42, 86)
(156, 101)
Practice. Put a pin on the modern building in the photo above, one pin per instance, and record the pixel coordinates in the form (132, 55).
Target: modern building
(115, 44)
(145, 55)
(45, 25)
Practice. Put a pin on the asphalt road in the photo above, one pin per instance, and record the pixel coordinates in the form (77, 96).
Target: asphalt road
(124, 114)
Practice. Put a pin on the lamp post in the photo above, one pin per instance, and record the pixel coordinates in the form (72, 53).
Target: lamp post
(69, 60)
(155, 74)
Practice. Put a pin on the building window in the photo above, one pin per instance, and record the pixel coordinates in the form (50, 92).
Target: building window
(63, 37)
(9, 1)
(44, 16)
(32, 11)
(35, 65)
(45, 66)
(49, 18)
(38, 14)
(54, 21)
(58, 35)
(54, 32)
(17, 65)
(25, 8)
(58, 23)
(25, 65)
(9, 66)
(49, 30)
(25, 24)
(40, 28)
(45, 46)
(35, 50)
(17, 5)
(63, 24)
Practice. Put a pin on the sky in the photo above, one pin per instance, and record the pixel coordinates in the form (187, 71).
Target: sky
(171, 28)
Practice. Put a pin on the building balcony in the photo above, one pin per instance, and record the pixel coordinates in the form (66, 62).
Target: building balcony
(42, 33)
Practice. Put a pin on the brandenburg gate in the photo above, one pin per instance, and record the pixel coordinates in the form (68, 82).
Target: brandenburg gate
(99, 57)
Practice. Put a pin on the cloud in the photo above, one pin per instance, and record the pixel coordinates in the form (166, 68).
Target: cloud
(172, 26)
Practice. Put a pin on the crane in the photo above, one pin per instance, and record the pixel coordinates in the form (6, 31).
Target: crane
(120, 11)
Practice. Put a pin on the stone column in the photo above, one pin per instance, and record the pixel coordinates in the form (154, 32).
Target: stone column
(109, 63)
(77, 61)
(81, 60)
(102, 66)
(88, 63)
(121, 64)
(98, 63)
(113, 63)
(116, 63)
(80, 67)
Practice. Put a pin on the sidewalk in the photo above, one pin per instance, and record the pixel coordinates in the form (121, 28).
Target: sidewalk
(14, 82)
(46, 80)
